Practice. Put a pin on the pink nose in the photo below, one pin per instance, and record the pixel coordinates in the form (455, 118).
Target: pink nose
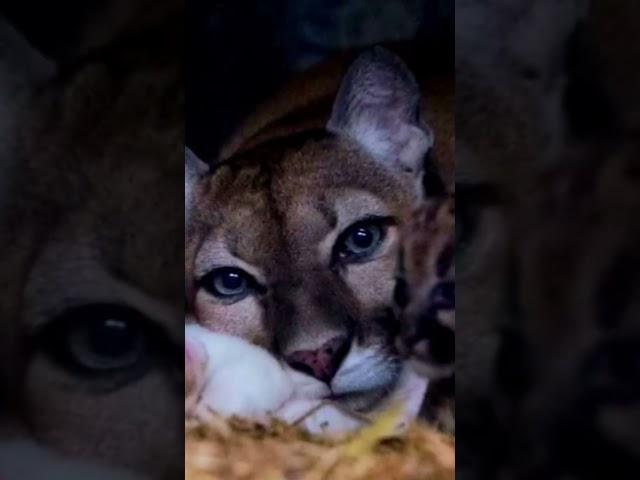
(322, 363)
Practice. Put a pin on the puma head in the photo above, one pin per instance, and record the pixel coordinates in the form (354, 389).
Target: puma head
(293, 243)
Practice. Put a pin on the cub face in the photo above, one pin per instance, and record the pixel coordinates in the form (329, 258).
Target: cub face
(429, 290)
(425, 297)
(293, 243)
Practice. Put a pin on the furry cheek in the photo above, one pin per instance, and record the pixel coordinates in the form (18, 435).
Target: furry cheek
(243, 319)
(373, 283)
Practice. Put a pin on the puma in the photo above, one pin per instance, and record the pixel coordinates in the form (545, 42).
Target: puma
(293, 234)
(91, 238)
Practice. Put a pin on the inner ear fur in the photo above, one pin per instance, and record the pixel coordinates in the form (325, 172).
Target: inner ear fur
(378, 106)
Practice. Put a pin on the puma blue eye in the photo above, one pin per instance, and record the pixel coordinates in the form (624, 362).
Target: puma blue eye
(361, 241)
(227, 283)
(102, 340)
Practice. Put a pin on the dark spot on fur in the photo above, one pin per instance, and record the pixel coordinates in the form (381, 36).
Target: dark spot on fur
(445, 260)
(433, 184)
(389, 323)
(401, 295)
(442, 343)
(443, 296)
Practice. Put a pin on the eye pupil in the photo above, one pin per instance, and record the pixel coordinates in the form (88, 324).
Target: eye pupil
(362, 238)
(227, 282)
(112, 337)
(100, 338)
(360, 242)
(232, 280)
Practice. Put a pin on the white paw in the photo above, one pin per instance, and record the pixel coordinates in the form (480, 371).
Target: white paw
(322, 417)
(232, 377)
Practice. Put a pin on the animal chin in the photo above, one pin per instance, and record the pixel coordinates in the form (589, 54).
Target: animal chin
(366, 377)
(361, 401)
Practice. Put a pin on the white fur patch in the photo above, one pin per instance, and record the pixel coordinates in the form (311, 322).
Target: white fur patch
(236, 378)
(328, 418)
(363, 369)
(403, 148)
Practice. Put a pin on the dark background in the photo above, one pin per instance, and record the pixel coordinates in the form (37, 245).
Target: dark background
(237, 52)
(54, 27)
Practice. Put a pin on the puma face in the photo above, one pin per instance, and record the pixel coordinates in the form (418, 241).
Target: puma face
(293, 244)
(92, 316)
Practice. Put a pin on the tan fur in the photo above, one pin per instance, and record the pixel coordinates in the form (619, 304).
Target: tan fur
(275, 206)
(246, 213)
(430, 233)
(428, 265)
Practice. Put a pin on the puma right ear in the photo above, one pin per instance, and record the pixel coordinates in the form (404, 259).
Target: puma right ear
(378, 106)
(194, 170)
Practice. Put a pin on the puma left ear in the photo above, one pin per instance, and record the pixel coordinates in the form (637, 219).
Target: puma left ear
(378, 106)
(194, 170)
